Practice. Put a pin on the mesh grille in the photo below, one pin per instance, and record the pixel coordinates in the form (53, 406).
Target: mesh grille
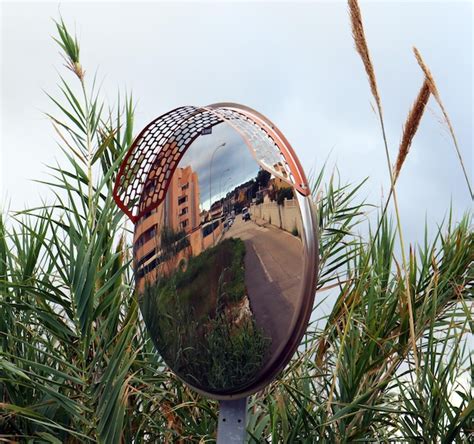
(145, 173)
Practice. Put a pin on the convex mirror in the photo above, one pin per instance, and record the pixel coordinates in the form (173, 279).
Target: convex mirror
(225, 247)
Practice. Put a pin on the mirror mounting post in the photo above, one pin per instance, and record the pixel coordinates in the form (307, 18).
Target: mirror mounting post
(232, 425)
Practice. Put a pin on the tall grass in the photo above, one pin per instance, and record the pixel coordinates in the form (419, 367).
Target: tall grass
(76, 364)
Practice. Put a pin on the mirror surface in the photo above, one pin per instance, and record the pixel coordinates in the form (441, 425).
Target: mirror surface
(219, 264)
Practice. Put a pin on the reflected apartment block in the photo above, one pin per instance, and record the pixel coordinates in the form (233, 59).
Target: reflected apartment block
(182, 201)
(180, 214)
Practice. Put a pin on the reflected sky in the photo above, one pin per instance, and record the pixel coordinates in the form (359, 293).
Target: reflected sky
(232, 164)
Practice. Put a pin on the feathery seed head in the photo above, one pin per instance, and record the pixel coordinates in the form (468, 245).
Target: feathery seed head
(411, 126)
(362, 48)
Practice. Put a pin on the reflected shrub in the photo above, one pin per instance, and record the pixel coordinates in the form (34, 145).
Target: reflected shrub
(195, 320)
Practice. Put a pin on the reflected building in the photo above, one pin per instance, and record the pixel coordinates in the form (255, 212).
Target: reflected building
(182, 201)
(180, 214)
(166, 237)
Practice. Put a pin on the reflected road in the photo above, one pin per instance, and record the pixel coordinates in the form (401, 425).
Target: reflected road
(273, 270)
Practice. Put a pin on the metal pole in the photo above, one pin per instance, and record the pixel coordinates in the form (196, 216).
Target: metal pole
(232, 425)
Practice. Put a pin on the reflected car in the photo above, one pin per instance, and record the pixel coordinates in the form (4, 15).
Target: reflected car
(227, 223)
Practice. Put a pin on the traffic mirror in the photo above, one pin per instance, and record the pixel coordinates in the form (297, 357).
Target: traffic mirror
(225, 245)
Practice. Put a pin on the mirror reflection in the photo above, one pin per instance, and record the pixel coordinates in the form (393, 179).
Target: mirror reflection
(219, 264)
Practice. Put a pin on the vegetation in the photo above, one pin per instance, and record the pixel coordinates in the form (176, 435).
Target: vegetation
(215, 274)
(283, 193)
(193, 318)
(215, 353)
(389, 363)
(172, 242)
(259, 183)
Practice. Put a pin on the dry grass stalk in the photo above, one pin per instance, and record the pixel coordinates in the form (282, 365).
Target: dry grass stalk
(362, 48)
(428, 75)
(411, 126)
(434, 91)
(173, 423)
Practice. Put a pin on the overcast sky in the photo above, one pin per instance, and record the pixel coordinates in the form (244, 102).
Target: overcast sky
(293, 62)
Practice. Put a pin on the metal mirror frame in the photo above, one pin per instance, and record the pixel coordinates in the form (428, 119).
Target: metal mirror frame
(149, 150)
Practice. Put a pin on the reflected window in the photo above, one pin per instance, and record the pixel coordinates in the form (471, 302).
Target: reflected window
(150, 187)
(146, 236)
(145, 258)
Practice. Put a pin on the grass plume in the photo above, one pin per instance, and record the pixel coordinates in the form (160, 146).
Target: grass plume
(361, 46)
(70, 46)
(411, 126)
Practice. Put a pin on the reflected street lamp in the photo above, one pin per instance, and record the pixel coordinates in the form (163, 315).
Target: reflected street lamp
(227, 191)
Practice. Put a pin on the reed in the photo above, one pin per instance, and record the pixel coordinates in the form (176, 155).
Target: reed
(360, 42)
(411, 126)
(71, 50)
